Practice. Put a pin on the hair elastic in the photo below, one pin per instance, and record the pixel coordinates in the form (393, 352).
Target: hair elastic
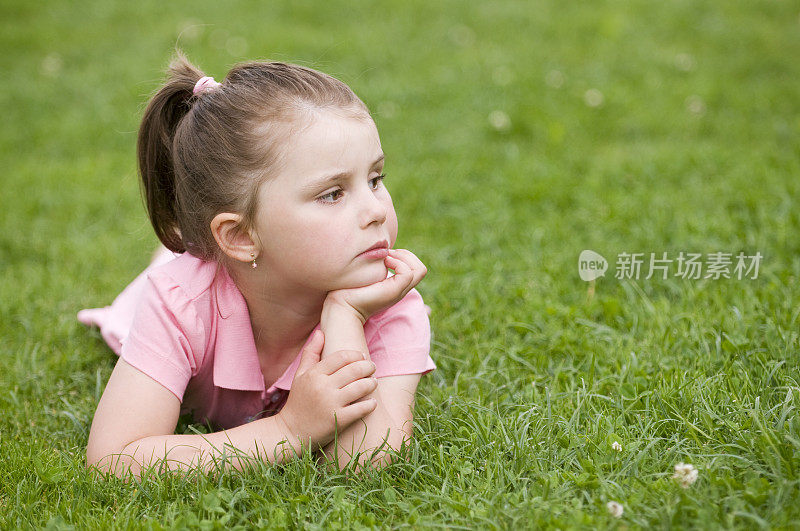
(205, 84)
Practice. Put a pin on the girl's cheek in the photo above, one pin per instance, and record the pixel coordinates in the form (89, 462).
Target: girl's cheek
(392, 222)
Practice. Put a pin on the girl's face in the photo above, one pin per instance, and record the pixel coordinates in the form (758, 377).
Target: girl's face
(327, 206)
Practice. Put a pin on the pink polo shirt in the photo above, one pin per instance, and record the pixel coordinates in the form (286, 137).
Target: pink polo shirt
(184, 323)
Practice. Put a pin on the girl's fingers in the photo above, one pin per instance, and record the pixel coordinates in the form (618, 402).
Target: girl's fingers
(415, 264)
(357, 410)
(358, 389)
(403, 275)
(317, 341)
(409, 258)
(398, 258)
(400, 267)
(404, 279)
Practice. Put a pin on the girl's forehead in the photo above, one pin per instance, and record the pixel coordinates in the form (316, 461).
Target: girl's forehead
(333, 142)
(331, 126)
(329, 144)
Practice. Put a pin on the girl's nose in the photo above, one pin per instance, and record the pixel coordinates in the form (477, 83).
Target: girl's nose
(373, 211)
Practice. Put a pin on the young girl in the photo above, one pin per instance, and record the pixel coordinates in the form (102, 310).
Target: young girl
(267, 191)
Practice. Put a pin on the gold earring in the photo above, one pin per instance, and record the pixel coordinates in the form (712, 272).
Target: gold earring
(253, 256)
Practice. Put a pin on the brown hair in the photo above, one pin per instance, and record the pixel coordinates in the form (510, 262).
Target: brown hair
(203, 154)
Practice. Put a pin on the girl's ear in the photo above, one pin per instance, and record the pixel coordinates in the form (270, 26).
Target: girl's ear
(234, 242)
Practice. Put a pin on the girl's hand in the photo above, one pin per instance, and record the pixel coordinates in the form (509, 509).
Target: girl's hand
(322, 400)
(369, 300)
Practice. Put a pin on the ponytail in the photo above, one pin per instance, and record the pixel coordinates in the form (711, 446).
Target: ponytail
(154, 149)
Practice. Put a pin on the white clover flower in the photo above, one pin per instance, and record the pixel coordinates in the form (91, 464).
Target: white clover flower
(684, 62)
(685, 474)
(52, 64)
(615, 509)
(593, 97)
(695, 104)
(616, 446)
(554, 78)
(500, 120)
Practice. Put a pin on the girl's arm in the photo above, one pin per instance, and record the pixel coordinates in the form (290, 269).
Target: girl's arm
(134, 414)
(344, 330)
(395, 396)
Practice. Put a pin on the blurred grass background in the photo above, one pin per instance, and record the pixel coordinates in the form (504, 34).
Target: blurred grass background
(517, 134)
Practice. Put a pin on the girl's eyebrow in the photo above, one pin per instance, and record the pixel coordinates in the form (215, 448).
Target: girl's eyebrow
(324, 181)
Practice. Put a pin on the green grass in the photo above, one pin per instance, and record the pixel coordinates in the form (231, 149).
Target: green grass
(694, 148)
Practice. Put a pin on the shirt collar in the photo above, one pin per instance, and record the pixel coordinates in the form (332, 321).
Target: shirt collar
(236, 364)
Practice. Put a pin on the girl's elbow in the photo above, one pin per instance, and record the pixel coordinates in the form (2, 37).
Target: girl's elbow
(114, 464)
(389, 451)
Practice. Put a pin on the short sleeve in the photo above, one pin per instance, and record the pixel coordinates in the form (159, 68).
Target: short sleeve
(167, 338)
(400, 339)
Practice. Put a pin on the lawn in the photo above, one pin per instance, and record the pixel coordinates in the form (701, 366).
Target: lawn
(517, 135)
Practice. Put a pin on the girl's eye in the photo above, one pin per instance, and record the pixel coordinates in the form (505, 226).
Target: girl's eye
(379, 179)
(332, 197)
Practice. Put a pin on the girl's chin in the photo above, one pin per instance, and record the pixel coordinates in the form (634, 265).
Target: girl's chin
(365, 276)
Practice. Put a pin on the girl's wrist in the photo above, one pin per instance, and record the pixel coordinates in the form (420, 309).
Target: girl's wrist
(295, 440)
(343, 327)
(333, 308)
